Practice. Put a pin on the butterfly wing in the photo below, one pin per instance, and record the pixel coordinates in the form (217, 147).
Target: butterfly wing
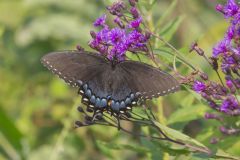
(104, 85)
(74, 67)
(111, 82)
(148, 80)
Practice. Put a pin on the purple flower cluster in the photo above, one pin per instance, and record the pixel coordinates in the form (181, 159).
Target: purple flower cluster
(228, 49)
(223, 97)
(218, 97)
(125, 36)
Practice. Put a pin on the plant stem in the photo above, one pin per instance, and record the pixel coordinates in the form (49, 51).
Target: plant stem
(59, 145)
(175, 50)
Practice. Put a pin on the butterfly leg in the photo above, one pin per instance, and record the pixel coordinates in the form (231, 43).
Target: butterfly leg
(97, 116)
(118, 122)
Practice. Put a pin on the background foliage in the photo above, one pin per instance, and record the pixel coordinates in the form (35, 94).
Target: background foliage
(37, 110)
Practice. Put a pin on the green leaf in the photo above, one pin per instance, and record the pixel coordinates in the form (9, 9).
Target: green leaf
(10, 131)
(169, 55)
(116, 146)
(235, 148)
(223, 155)
(104, 149)
(166, 14)
(164, 52)
(170, 28)
(189, 142)
(188, 111)
(155, 151)
(187, 114)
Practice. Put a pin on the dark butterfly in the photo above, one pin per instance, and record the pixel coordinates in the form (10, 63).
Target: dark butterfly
(106, 85)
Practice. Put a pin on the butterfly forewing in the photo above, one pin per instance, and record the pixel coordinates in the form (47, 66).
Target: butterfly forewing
(74, 66)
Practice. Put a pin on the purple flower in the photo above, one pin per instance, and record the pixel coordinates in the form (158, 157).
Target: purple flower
(230, 9)
(199, 86)
(229, 83)
(230, 32)
(219, 8)
(100, 21)
(236, 18)
(221, 47)
(135, 23)
(116, 35)
(230, 103)
(115, 42)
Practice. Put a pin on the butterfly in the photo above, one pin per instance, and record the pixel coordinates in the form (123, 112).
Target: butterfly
(107, 85)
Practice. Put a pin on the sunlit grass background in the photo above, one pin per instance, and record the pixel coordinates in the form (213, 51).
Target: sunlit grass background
(37, 110)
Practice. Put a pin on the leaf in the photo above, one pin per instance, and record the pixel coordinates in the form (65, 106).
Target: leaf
(188, 111)
(156, 152)
(10, 131)
(170, 28)
(116, 146)
(166, 13)
(235, 148)
(164, 52)
(7, 148)
(189, 142)
(169, 55)
(104, 149)
(187, 114)
(221, 154)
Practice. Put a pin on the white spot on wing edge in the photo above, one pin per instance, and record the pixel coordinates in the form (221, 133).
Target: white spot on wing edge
(58, 73)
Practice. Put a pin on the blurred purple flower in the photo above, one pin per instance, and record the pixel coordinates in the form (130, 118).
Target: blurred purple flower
(230, 9)
(199, 86)
(229, 83)
(135, 23)
(221, 47)
(100, 21)
(230, 103)
(230, 32)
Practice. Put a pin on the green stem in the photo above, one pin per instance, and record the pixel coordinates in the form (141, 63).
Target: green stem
(59, 146)
(178, 54)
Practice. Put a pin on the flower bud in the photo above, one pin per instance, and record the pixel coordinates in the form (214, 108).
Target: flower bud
(132, 2)
(194, 47)
(93, 34)
(214, 63)
(134, 12)
(148, 35)
(214, 140)
(204, 76)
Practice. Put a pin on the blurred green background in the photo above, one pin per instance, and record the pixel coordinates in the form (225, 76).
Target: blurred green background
(37, 110)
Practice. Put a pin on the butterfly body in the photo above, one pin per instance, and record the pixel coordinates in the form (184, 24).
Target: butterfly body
(106, 85)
